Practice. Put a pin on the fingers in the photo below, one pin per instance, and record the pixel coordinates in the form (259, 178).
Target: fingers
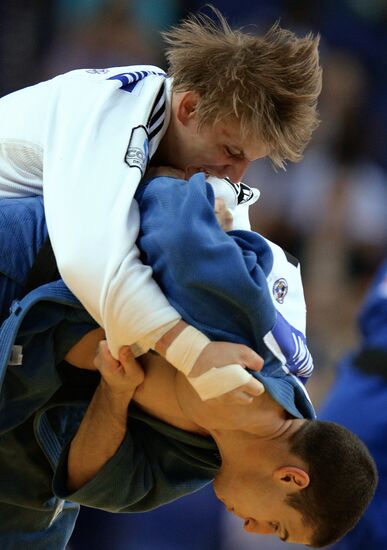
(254, 387)
(125, 356)
(251, 360)
(131, 366)
(244, 395)
(235, 397)
(223, 214)
(241, 398)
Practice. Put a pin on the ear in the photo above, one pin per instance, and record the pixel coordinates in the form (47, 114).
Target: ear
(292, 478)
(186, 108)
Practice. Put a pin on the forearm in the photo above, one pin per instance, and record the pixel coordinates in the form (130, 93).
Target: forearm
(168, 337)
(105, 277)
(100, 434)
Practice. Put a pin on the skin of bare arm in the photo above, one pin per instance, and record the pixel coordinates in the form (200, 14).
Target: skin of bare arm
(165, 394)
(247, 460)
(82, 354)
(172, 395)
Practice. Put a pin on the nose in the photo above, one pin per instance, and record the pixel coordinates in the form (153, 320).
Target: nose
(237, 169)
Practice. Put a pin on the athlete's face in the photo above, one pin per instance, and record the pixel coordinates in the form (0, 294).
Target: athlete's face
(218, 149)
(260, 503)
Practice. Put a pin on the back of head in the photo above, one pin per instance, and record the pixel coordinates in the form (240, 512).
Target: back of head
(270, 83)
(343, 479)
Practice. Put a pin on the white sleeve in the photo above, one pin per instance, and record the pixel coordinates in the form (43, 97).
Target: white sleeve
(23, 116)
(92, 218)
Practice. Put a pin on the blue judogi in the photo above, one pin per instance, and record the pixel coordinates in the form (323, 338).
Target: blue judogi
(22, 233)
(358, 400)
(217, 283)
(42, 404)
(41, 410)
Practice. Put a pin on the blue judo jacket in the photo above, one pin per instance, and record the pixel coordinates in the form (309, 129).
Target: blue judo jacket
(215, 280)
(156, 463)
(42, 404)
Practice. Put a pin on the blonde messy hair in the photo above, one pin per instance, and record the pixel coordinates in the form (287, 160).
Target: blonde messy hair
(270, 83)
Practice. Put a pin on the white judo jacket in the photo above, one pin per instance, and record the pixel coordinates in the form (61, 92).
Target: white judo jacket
(83, 140)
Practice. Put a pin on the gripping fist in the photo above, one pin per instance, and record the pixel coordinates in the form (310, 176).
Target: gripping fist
(122, 376)
(220, 373)
(213, 369)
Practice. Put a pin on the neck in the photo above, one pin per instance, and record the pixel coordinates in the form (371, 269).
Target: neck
(233, 445)
(264, 417)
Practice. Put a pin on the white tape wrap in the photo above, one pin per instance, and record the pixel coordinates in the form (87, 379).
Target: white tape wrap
(218, 381)
(186, 348)
(183, 354)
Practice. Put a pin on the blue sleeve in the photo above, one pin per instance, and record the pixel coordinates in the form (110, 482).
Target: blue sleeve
(24, 220)
(216, 281)
(150, 468)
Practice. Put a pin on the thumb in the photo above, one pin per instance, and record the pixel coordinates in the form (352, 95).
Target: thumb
(125, 355)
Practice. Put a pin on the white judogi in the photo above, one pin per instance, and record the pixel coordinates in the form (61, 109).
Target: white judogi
(71, 138)
(83, 140)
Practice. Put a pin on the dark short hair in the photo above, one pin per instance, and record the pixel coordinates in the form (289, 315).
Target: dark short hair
(343, 479)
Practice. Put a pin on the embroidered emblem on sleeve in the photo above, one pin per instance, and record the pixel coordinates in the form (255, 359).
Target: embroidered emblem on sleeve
(97, 71)
(280, 289)
(137, 153)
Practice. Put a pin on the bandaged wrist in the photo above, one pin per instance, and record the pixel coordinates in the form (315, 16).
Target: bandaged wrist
(149, 340)
(184, 351)
(218, 381)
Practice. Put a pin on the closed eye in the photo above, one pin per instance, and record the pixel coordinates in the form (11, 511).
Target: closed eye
(233, 153)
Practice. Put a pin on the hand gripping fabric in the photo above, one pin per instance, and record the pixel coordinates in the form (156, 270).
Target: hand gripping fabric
(183, 354)
(289, 345)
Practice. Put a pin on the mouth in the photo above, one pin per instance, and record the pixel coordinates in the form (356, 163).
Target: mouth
(232, 510)
(191, 170)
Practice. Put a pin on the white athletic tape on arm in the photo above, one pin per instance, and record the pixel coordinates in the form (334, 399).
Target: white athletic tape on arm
(186, 348)
(218, 381)
(183, 353)
(149, 340)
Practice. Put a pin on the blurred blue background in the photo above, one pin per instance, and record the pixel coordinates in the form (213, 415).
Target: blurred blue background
(330, 210)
